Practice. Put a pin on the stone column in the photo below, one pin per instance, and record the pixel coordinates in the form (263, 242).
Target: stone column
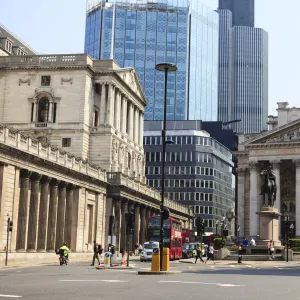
(130, 132)
(141, 128)
(143, 225)
(23, 207)
(136, 233)
(254, 200)
(124, 115)
(43, 214)
(51, 231)
(124, 211)
(61, 209)
(117, 122)
(241, 201)
(118, 223)
(103, 104)
(50, 118)
(111, 105)
(33, 211)
(297, 186)
(68, 215)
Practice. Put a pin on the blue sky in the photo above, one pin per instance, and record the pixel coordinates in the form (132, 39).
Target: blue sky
(57, 26)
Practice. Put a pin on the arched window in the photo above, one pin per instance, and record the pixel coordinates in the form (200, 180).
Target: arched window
(43, 110)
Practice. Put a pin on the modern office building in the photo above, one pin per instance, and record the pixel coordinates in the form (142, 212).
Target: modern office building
(142, 33)
(198, 170)
(242, 11)
(10, 44)
(243, 71)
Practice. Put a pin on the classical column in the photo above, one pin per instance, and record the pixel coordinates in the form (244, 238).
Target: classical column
(51, 231)
(34, 111)
(23, 207)
(124, 115)
(68, 215)
(117, 122)
(297, 186)
(124, 211)
(136, 233)
(254, 200)
(241, 201)
(103, 104)
(118, 223)
(111, 105)
(130, 122)
(141, 128)
(50, 118)
(33, 211)
(61, 209)
(143, 225)
(43, 214)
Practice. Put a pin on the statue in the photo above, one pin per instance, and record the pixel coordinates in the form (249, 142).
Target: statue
(269, 185)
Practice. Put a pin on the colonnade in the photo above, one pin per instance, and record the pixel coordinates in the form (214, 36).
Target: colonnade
(120, 112)
(47, 210)
(250, 204)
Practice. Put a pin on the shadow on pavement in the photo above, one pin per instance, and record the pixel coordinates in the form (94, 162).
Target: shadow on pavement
(282, 271)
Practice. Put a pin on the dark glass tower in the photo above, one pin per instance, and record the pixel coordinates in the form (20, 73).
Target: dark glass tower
(242, 11)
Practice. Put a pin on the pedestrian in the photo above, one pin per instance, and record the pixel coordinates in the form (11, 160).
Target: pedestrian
(210, 255)
(95, 256)
(100, 251)
(111, 249)
(140, 249)
(252, 242)
(199, 255)
(271, 249)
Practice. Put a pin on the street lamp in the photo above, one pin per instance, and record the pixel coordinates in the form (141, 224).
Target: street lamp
(164, 67)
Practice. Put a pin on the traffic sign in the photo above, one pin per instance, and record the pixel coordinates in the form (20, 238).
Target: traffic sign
(155, 250)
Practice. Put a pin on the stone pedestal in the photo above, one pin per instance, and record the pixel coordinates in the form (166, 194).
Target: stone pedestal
(268, 226)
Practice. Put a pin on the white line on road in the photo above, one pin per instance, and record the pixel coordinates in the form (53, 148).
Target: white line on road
(82, 280)
(10, 296)
(204, 283)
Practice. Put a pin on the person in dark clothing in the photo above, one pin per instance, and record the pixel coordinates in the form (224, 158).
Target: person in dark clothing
(96, 254)
(199, 255)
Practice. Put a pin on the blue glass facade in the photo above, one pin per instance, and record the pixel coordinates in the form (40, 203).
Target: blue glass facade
(145, 33)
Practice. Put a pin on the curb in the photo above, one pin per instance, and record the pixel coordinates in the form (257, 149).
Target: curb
(115, 268)
(158, 273)
(186, 262)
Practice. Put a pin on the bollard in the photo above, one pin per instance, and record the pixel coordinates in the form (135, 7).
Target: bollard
(155, 266)
(240, 255)
(166, 260)
(107, 259)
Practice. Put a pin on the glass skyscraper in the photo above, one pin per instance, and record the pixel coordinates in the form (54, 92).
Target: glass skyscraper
(143, 33)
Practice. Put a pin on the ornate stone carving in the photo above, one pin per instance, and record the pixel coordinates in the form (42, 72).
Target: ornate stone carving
(114, 149)
(70, 80)
(254, 165)
(275, 164)
(293, 135)
(241, 171)
(28, 80)
(297, 162)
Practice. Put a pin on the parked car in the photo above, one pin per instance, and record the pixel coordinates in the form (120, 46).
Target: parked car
(189, 250)
(146, 254)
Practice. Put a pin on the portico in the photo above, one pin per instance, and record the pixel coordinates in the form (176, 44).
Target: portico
(279, 147)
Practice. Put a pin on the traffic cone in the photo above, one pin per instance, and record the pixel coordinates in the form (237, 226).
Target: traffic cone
(124, 260)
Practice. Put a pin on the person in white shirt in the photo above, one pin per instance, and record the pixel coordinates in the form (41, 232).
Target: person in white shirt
(210, 254)
(252, 242)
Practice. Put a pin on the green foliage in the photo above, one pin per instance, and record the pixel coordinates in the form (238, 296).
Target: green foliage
(232, 247)
(294, 243)
(296, 249)
(219, 243)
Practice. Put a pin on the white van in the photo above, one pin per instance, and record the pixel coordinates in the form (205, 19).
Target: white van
(146, 254)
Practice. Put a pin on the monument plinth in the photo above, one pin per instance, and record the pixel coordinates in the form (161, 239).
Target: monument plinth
(268, 226)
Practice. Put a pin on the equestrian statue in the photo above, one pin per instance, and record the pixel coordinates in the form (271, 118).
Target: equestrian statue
(269, 185)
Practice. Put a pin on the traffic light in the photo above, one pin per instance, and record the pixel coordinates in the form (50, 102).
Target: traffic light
(166, 213)
(10, 226)
(130, 222)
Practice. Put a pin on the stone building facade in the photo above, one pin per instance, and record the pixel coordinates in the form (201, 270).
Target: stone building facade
(280, 147)
(93, 109)
(72, 154)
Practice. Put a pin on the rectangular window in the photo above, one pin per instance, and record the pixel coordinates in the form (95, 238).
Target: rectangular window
(201, 209)
(206, 210)
(210, 211)
(45, 80)
(197, 209)
(66, 142)
(54, 112)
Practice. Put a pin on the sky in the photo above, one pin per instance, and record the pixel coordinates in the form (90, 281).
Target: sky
(58, 26)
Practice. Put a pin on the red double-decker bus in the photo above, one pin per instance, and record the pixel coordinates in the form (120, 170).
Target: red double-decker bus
(172, 235)
(186, 235)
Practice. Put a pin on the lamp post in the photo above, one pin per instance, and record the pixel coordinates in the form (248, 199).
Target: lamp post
(222, 227)
(287, 236)
(164, 67)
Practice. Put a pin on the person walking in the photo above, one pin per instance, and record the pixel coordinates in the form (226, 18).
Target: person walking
(199, 255)
(271, 249)
(96, 254)
(211, 256)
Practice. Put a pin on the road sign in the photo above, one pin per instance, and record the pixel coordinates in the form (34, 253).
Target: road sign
(155, 250)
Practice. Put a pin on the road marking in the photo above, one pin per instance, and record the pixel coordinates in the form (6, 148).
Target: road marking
(83, 280)
(10, 296)
(204, 283)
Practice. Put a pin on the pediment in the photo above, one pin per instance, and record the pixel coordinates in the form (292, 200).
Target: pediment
(131, 79)
(288, 133)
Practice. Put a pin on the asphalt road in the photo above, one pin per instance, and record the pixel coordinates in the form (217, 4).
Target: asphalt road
(210, 282)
